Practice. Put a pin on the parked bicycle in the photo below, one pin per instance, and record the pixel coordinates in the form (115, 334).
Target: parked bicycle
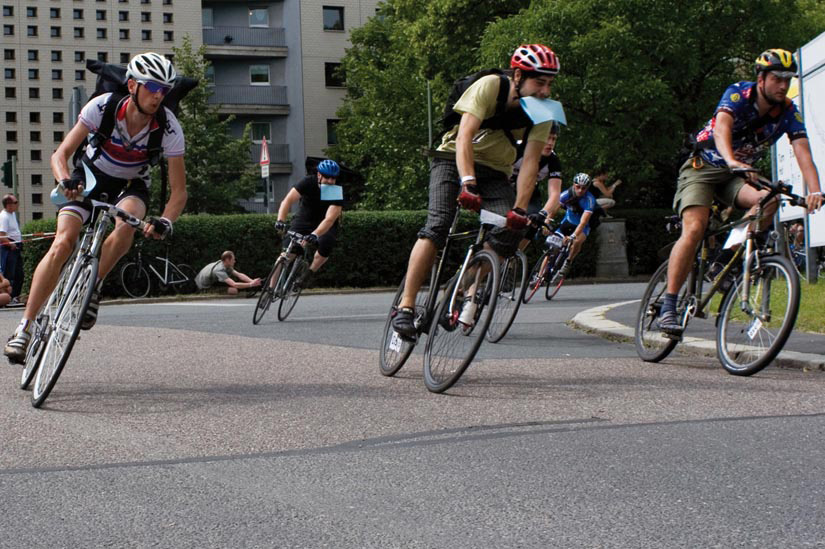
(547, 270)
(58, 324)
(463, 311)
(137, 282)
(756, 294)
(283, 281)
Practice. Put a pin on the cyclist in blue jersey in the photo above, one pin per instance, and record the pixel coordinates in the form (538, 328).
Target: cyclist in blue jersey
(579, 204)
(750, 117)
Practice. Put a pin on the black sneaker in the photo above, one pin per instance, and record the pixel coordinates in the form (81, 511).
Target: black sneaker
(404, 323)
(90, 319)
(669, 323)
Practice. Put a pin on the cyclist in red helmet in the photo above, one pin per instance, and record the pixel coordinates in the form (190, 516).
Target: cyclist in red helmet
(474, 160)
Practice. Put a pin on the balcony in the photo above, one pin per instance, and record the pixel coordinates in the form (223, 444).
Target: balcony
(225, 42)
(278, 157)
(245, 99)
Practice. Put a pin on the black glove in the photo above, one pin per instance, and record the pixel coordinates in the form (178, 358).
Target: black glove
(70, 184)
(537, 219)
(311, 238)
(162, 225)
(280, 226)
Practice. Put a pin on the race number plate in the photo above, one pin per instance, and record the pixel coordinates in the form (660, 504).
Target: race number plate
(756, 325)
(395, 342)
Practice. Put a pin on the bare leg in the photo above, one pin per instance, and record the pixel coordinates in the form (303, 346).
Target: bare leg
(694, 222)
(421, 261)
(317, 262)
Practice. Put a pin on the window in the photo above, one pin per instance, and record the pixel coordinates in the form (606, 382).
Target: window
(57, 56)
(11, 136)
(57, 74)
(58, 137)
(8, 30)
(34, 117)
(10, 93)
(34, 74)
(206, 18)
(259, 75)
(333, 18)
(145, 1)
(100, 15)
(101, 34)
(37, 198)
(8, 11)
(8, 74)
(78, 32)
(168, 36)
(145, 17)
(261, 130)
(77, 14)
(11, 117)
(34, 93)
(57, 93)
(103, 56)
(209, 75)
(33, 55)
(333, 76)
(36, 155)
(80, 74)
(31, 12)
(124, 16)
(258, 17)
(8, 55)
(37, 179)
(332, 137)
(37, 215)
(34, 137)
(54, 32)
(54, 13)
(167, 17)
(124, 58)
(145, 34)
(31, 30)
(79, 56)
(11, 153)
(57, 117)
(123, 34)
(167, 2)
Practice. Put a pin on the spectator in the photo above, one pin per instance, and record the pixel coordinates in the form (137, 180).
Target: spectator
(603, 192)
(5, 291)
(222, 271)
(11, 248)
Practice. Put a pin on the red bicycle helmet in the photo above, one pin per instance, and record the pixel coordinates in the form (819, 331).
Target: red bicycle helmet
(535, 58)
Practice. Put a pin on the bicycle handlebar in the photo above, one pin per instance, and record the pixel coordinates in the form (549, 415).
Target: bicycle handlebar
(774, 187)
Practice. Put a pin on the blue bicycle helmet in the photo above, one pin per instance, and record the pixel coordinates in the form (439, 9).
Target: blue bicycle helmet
(329, 168)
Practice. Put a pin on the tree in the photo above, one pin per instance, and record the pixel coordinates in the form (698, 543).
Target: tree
(219, 171)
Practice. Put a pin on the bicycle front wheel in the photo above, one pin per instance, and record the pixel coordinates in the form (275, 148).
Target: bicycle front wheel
(64, 330)
(292, 288)
(135, 280)
(749, 335)
(651, 344)
(512, 286)
(453, 343)
(268, 290)
(536, 279)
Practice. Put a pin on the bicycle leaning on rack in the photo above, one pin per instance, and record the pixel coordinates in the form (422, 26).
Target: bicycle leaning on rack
(283, 281)
(137, 282)
(546, 271)
(57, 325)
(758, 296)
(454, 339)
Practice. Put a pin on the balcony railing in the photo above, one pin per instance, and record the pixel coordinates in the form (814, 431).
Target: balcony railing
(278, 154)
(245, 36)
(248, 95)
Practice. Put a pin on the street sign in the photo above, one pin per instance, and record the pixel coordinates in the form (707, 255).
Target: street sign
(264, 170)
(264, 153)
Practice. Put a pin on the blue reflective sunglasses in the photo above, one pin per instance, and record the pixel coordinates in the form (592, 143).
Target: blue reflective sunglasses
(154, 87)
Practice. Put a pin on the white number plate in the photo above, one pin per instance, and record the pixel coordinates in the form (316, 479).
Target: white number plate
(395, 342)
(756, 325)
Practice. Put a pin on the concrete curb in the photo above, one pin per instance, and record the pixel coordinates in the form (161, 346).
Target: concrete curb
(595, 321)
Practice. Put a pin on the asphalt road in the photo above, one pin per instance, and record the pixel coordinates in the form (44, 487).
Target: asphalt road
(183, 425)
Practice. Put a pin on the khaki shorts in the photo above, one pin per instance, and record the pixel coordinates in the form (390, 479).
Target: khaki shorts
(698, 187)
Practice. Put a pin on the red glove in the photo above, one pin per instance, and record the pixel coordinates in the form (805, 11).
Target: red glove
(469, 199)
(517, 219)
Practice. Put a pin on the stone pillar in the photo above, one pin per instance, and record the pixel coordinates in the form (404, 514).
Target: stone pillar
(612, 258)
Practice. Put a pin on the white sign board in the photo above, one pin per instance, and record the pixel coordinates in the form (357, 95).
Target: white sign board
(264, 171)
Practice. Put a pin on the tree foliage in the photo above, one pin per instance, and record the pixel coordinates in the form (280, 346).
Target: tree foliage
(219, 171)
(637, 77)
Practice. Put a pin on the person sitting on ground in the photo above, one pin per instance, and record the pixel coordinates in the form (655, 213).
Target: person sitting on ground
(222, 271)
(579, 204)
(320, 202)
(5, 291)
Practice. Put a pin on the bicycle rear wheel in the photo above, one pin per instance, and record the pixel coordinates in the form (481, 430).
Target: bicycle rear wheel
(292, 289)
(748, 340)
(187, 286)
(651, 344)
(512, 286)
(268, 294)
(135, 280)
(64, 330)
(395, 350)
(452, 345)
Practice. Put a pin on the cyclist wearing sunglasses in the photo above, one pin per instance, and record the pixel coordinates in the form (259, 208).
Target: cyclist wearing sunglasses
(120, 166)
(579, 204)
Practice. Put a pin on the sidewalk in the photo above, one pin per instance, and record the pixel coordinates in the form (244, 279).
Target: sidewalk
(615, 322)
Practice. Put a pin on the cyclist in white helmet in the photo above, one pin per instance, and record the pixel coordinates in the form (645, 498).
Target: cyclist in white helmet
(120, 166)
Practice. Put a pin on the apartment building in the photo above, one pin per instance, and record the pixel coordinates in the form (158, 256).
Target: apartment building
(273, 65)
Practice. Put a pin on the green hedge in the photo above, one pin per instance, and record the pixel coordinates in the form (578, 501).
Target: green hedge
(373, 247)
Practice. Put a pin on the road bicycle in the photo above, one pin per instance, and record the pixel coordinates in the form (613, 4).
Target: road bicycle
(756, 295)
(546, 271)
(284, 280)
(512, 285)
(454, 334)
(137, 282)
(58, 324)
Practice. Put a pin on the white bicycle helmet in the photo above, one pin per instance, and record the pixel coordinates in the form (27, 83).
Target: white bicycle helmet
(151, 66)
(582, 180)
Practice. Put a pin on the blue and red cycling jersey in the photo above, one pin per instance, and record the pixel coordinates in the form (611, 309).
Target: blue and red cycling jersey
(576, 206)
(739, 100)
